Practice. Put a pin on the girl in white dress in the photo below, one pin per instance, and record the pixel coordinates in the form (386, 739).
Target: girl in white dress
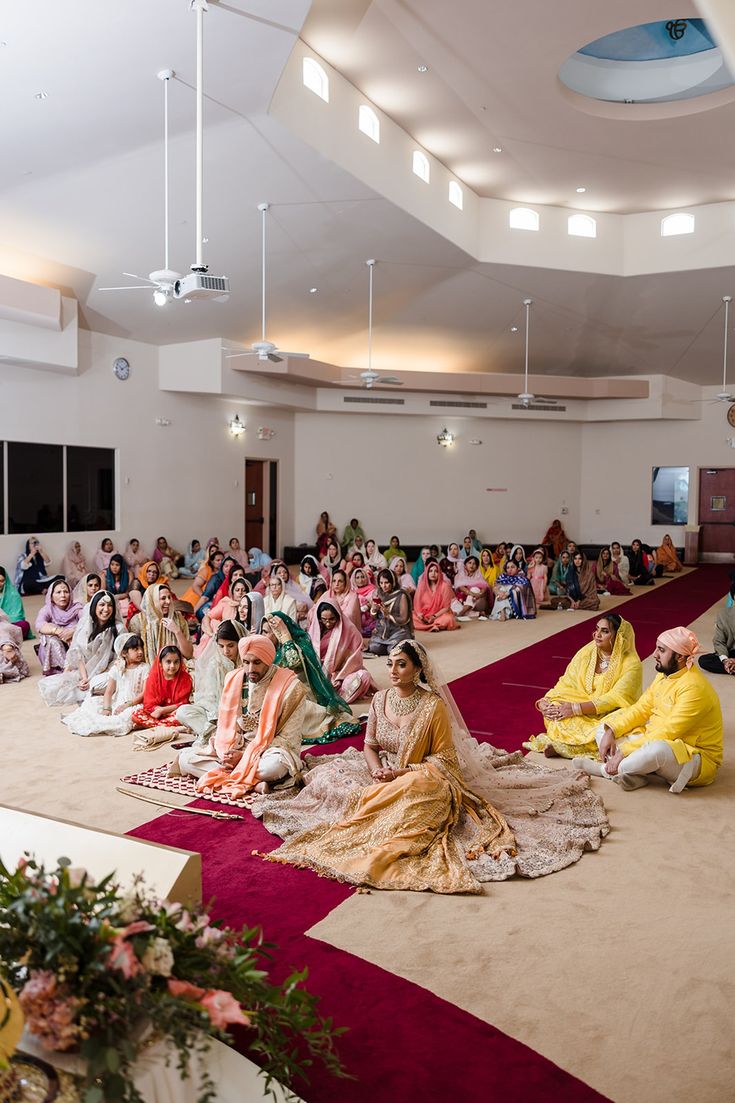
(112, 714)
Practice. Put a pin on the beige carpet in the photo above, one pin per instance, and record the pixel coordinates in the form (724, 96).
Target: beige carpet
(618, 969)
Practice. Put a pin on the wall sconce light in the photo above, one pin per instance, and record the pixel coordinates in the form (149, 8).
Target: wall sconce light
(445, 438)
(475, 440)
(730, 441)
(265, 433)
(163, 421)
(237, 428)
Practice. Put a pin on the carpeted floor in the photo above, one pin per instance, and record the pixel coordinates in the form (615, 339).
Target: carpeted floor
(602, 969)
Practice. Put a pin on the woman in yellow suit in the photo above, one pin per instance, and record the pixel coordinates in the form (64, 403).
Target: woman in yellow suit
(605, 675)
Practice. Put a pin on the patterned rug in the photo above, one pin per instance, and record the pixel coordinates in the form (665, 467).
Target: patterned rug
(157, 778)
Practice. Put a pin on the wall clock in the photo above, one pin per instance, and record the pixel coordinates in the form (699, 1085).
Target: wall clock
(121, 368)
(731, 414)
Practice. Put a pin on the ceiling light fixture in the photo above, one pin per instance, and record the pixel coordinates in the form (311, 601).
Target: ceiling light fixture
(40, 96)
(160, 297)
(237, 428)
(313, 290)
(445, 438)
(497, 149)
(423, 68)
(580, 191)
(514, 329)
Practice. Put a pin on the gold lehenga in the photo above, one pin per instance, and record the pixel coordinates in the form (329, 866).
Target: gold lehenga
(427, 829)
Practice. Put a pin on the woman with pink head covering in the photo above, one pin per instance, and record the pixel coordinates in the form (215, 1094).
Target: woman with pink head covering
(74, 564)
(346, 600)
(55, 626)
(338, 643)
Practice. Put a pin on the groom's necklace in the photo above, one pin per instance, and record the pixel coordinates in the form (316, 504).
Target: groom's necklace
(402, 706)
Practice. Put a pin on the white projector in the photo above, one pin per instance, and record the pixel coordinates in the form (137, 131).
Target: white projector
(200, 285)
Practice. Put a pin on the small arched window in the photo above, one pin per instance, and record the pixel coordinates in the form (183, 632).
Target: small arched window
(421, 166)
(368, 122)
(582, 225)
(456, 195)
(315, 79)
(523, 218)
(674, 224)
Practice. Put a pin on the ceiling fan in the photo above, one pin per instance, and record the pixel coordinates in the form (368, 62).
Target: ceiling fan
(265, 349)
(724, 395)
(370, 377)
(525, 397)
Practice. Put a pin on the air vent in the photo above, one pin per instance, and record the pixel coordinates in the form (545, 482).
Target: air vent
(539, 406)
(375, 401)
(449, 404)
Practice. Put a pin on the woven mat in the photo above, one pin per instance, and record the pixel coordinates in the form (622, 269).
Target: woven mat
(157, 778)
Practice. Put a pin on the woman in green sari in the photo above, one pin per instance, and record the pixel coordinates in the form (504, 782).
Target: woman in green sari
(11, 604)
(327, 716)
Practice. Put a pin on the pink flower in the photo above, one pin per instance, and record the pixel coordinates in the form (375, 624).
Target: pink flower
(210, 936)
(184, 990)
(138, 927)
(122, 957)
(223, 1008)
(50, 1010)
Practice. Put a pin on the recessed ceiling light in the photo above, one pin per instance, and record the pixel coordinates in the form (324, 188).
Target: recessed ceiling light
(497, 149)
(580, 191)
(313, 290)
(423, 68)
(2, 44)
(187, 300)
(40, 96)
(514, 329)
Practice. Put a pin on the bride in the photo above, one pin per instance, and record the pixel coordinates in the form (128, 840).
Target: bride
(426, 806)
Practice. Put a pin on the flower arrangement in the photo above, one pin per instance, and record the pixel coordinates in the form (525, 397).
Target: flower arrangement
(97, 969)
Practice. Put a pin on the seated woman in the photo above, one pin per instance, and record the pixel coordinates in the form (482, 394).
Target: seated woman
(112, 713)
(292, 588)
(427, 807)
(74, 564)
(339, 646)
(560, 575)
(332, 559)
(638, 570)
(194, 556)
(374, 558)
(159, 625)
(207, 568)
(11, 605)
(355, 559)
(514, 599)
(392, 609)
(400, 570)
(211, 669)
(327, 716)
(352, 532)
(55, 626)
(227, 606)
(394, 549)
(582, 585)
(250, 613)
(238, 553)
(357, 545)
(555, 539)
(13, 667)
(604, 675)
(326, 530)
(363, 588)
(607, 577)
(116, 578)
(148, 575)
(518, 556)
(538, 575)
(309, 569)
(31, 570)
(217, 584)
(104, 553)
(666, 557)
(90, 654)
(167, 686)
(166, 557)
(276, 599)
(621, 562)
(432, 604)
(258, 564)
(499, 556)
(471, 590)
(420, 565)
(451, 563)
(488, 568)
(340, 594)
(135, 557)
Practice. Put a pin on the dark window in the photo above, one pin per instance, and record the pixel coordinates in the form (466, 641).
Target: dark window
(35, 488)
(90, 489)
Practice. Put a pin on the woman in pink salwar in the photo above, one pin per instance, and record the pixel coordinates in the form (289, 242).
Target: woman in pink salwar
(400, 570)
(362, 584)
(345, 599)
(538, 575)
(432, 604)
(339, 646)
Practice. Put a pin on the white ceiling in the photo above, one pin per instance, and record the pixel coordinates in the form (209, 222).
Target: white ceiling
(92, 206)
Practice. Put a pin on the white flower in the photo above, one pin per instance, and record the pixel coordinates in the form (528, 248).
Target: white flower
(158, 958)
(76, 875)
(129, 906)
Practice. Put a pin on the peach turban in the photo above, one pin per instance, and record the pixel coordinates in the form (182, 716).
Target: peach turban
(682, 641)
(260, 646)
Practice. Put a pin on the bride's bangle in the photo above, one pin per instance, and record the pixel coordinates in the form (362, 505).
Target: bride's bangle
(576, 708)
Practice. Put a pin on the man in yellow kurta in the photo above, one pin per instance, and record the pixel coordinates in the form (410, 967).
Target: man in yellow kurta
(674, 730)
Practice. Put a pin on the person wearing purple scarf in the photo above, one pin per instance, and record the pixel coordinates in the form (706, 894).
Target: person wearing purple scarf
(55, 626)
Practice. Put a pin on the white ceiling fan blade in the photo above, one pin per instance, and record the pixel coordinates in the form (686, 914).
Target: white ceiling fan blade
(273, 358)
(294, 355)
(235, 355)
(135, 276)
(392, 380)
(128, 287)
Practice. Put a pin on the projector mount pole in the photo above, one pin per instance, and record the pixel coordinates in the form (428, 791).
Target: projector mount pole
(727, 299)
(199, 7)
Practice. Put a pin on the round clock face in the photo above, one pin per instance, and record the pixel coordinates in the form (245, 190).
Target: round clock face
(731, 414)
(121, 368)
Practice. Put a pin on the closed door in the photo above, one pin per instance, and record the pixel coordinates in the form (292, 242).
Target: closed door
(254, 503)
(717, 510)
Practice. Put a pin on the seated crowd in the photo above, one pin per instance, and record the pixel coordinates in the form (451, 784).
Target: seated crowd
(249, 664)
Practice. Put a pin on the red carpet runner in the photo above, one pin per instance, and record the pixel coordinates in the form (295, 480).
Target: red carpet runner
(405, 1044)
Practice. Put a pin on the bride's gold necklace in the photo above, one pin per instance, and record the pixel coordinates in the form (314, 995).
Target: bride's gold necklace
(403, 706)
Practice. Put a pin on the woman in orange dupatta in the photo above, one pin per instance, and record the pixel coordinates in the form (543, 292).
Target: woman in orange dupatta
(667, 558)
(556, 539)
(432, 603)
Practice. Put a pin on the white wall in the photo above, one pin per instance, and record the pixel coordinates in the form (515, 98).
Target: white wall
(184, 480)
(389, 471)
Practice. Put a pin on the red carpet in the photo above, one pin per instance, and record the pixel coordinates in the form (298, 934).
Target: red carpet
(497, 701)
(405, 1044)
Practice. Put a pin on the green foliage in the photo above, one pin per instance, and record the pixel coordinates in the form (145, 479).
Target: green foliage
(92, 967)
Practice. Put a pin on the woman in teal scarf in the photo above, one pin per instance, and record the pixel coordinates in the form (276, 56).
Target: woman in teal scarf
(326, 717)
(11, 604)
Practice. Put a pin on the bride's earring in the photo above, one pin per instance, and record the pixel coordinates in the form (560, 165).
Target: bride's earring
(417, 677)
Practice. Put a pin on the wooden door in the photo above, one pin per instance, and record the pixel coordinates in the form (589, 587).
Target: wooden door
(717, 510)
(254, 503)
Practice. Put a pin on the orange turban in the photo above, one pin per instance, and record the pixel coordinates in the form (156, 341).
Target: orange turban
(260, 646)
(682, 641)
